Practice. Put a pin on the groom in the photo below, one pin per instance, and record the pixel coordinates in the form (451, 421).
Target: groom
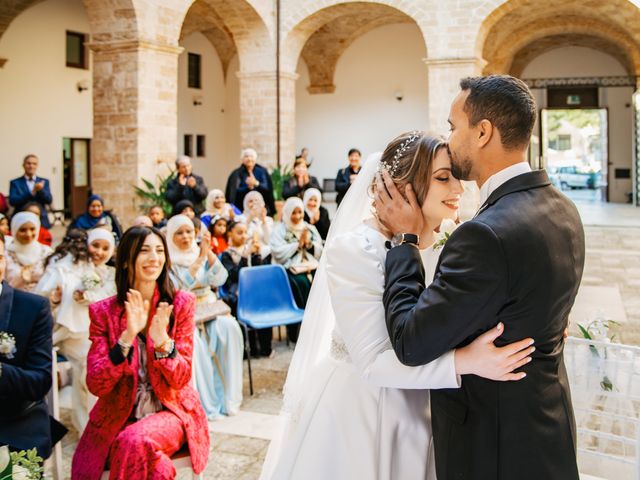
(519, 261)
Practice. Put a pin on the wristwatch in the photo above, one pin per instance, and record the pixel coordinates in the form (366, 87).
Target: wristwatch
(402, 238)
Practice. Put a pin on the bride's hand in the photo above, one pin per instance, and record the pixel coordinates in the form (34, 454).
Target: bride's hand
(481, 357)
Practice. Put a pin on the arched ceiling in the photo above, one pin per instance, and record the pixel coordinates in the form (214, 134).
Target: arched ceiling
(519, 30)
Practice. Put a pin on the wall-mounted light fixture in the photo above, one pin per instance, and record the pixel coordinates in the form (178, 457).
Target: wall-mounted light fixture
(197, 101)
(82, 85)
(399, 95)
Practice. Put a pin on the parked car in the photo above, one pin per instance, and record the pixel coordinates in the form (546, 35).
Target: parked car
(571, 177)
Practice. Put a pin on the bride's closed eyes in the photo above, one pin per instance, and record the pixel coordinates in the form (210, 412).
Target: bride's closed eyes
(442, 175)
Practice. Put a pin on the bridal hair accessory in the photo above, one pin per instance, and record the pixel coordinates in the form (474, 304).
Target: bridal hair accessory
(404, 146)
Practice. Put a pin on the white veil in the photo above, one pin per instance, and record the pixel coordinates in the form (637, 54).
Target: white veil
(314, 341)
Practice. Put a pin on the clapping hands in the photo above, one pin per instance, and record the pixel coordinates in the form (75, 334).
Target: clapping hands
(137, 311)
(160, 323)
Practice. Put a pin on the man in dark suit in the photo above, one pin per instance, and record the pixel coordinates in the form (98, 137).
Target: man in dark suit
(186, 186)
(346, 176)
(31, 188)
(25, 372)
(248, 177)
(520, 262)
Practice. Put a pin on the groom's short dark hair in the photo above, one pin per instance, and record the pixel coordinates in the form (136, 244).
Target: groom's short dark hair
(506, 102)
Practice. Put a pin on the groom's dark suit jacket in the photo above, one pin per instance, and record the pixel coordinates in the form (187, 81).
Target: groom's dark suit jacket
(519, 261)
(26, 378)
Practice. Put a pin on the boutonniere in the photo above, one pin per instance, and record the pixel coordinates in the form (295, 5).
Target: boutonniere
(7, 344)
(444, 232)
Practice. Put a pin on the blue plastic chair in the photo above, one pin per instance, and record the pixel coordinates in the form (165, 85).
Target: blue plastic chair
(265, 300)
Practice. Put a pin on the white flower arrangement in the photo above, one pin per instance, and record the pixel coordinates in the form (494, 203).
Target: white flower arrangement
(91, 281)
(22, 465)
(446, 229)
(7, 344)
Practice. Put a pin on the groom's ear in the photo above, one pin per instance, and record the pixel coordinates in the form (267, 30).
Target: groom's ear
(485, 131)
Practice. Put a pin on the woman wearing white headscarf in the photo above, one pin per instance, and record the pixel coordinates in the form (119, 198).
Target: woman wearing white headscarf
(314, 213)
(259, 225)
(216, 204)
(218, 345)
(297, 246)
(25, 256)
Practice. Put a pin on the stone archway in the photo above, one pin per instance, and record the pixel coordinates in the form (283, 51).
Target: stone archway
(319, 33)
(520, 33)
(517, 29)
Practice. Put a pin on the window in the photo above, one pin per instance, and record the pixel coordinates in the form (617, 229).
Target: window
(200, 141)
(188, 145)
(564, 142)
(76, 52)
(194, 71)
(561, 142)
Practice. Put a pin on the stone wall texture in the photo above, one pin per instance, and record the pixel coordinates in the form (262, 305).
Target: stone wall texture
(136, 44)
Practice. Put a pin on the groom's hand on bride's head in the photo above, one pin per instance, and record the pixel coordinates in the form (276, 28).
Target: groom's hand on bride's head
(397, 212)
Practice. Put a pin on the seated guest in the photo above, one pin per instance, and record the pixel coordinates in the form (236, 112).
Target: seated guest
(259, 224)
(31, 188)
(156, 214)
(139, 367)
(103, 282)
(243, 253)
(196, 269)
(44, 235)
(216, 206)
(300, 181)
(142, 221)
(67, 268)
(97, 216)
(314, 213)
(25, 372)
(184, 207)
(249, 177)
(218, 231)
(297, 246)
(186, 185)
(346, 176)
(25, 255)
(4, 225)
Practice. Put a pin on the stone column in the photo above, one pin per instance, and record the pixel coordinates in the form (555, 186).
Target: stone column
(135, 119)
(258, 115)
(444, 84)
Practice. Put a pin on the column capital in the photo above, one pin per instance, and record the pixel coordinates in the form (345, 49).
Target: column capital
(476, 62)
(127, 46)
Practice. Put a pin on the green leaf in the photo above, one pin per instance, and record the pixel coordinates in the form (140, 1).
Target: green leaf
(606, 384)
(584, 332)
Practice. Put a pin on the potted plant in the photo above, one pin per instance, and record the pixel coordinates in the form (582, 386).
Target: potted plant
(279, 176)
(152, 195)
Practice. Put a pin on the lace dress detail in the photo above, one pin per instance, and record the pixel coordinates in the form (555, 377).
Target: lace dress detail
(338, 349)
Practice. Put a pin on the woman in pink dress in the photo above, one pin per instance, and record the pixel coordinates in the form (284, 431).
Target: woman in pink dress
(139, 367)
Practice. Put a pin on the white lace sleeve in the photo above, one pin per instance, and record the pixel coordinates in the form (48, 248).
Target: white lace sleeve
(356, 284)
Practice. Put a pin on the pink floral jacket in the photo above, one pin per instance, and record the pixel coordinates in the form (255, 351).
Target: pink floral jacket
(115, 385)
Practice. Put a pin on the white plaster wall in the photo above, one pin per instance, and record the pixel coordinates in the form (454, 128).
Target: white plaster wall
(39, 101)
(218, 116)
(363, 112)
(585, 62)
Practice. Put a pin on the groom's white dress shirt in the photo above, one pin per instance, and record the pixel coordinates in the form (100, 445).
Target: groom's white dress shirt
(497, 179)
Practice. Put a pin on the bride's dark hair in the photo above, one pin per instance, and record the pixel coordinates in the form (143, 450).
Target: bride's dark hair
(409, 159)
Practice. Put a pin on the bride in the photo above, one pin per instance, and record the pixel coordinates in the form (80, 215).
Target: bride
(351, 409)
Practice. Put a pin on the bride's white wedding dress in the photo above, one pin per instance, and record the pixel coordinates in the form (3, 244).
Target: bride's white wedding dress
(361, 414)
